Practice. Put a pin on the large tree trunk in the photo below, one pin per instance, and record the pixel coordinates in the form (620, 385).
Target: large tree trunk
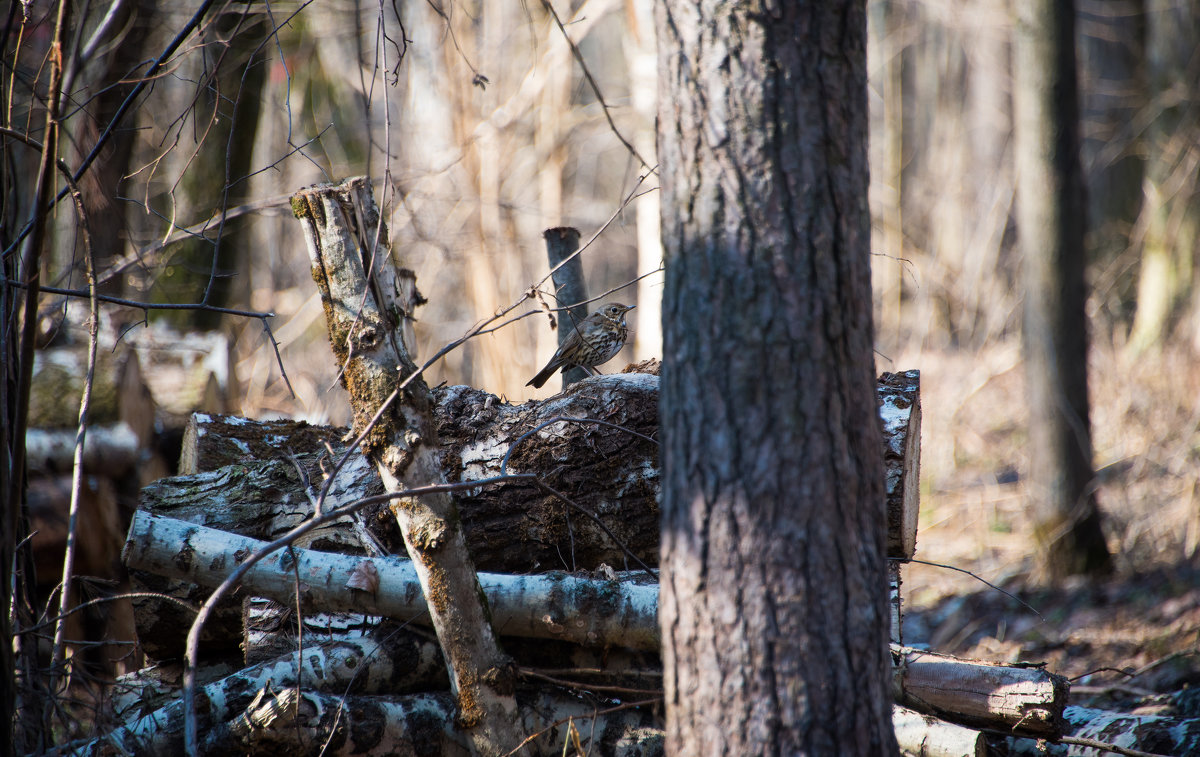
(1050, 215)
(773, 588)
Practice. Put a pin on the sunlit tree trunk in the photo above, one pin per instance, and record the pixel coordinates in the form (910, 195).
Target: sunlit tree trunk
(773, 588)
(1051, 222)
(1171, 216)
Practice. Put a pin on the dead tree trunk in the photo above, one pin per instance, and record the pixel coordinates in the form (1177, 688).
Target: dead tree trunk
(361, 290)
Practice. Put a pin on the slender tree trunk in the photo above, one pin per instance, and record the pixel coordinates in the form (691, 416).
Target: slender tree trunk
(774, 585)
(1112, 91)
(1051, 219)
(1171, 214)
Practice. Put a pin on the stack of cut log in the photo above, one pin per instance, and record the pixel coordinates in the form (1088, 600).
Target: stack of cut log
(323, 651)
(147, 382)
(564, 583)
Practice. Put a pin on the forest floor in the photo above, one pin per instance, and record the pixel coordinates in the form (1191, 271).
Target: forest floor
(1130, 641)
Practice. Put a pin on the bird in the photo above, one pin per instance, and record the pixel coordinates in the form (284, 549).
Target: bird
(594, 340)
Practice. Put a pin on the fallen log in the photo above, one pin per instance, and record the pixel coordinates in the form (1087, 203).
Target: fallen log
(360, 666)
(427, 724)
(925, 736)
(603, 461)
(371, 665)
(607, 469)
(549, 606)
(899, 397)
(1019, 699)
(248, 477)
(584, 611)
(110, 449)
(271, 632)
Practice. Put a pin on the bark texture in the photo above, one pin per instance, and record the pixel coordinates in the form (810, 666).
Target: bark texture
(367, 300)
(773, 606)
(1051, 217)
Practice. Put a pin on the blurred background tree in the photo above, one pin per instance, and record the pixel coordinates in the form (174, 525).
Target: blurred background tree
(1051, 219)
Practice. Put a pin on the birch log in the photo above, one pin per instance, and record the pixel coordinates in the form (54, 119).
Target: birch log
(361, 666)
(926, 736)
(593, 612)
(368, 302)
(426, 724)
(1154, 734)
(587, 611)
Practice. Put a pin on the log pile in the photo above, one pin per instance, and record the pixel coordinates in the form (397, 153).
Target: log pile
(146, 384)
(325, 647)
(589, 625)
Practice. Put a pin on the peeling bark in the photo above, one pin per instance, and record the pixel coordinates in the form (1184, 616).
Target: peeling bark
(587, 611)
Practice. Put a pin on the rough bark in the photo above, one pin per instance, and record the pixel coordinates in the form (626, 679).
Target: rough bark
(774, 609)
(361, 291)
(515, 526)
(1051, 218)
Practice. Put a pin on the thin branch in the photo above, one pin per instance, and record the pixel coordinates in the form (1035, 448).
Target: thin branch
(595, 88)
(138, 304)
(114, 598)
(68, 570)
(527, 673)
(625, 706)
(978, 578)
(1106, 746)
(31, 261)
(596, 519)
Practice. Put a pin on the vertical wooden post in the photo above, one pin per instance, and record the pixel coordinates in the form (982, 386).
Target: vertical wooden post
(567, 273)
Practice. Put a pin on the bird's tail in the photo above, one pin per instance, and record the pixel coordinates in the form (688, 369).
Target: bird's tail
(543, 375)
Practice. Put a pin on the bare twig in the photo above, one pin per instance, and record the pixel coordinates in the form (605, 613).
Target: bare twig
(68, 571)
(1105, 746)
(527, 673)
(598, 713)
(595, 88)
(978, 578)
(596, 519)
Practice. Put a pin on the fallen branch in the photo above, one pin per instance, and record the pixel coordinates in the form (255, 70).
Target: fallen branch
(1024, 700)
